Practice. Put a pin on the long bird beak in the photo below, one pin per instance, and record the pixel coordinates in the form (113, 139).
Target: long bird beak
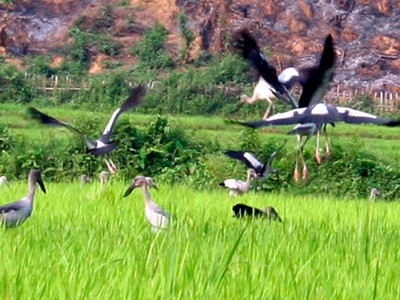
(129, 190)
(41, 184)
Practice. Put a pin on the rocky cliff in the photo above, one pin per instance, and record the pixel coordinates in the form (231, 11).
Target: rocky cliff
(366, 33)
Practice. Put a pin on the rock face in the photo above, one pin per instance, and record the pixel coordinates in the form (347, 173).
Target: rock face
(366, 33)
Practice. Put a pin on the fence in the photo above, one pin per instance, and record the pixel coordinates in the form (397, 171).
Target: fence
(383, 101)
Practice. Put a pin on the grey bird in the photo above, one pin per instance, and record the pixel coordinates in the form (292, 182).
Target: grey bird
(374, 192)
(262, 170)
(242, 210)
(157, 217)
(102, 145)
(239, 187)
(15, 213)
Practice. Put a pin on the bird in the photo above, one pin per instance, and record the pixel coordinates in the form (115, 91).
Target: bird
(374, 192)
(243, 210)
(157, 217)
(85, 179)
(288, 78)
(15, 213)
(312, 113)
(4, 181)
(102, 145)
(238, 187)
(103, 176)
(262, 170)
(268, 84)
(262, 91)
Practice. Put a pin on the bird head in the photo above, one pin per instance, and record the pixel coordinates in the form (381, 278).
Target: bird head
(35, 177)
(140, 181)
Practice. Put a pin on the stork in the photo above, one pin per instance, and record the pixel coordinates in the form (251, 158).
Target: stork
(15, 213)
(157, 217)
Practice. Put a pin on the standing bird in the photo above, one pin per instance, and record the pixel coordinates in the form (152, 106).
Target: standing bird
(103, 176)
(262, 170)
(237, 187)
(157, 217)
(4, 181)
(243, 210)
(15, 213)
(374, 192)
(85, 179)
(102, 145)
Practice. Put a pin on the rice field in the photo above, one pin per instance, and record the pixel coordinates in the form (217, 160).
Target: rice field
(83, 243)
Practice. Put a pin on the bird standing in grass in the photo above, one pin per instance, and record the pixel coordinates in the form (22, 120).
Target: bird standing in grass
(4, 181)
(238, 187)
(374, 192)
(15, 213)
(157, 217)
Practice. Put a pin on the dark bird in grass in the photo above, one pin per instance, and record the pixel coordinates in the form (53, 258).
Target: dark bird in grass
(262, 170)
(15, 213)
(243, 210)
(104, 144)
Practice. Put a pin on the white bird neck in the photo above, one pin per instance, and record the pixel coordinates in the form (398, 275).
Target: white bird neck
(146, 194)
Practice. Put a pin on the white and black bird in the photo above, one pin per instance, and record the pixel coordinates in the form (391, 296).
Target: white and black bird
(242, 210)
(268, 82)
(239, 187)
(15, 213)
(262, 170)
(104, 144)
(313, 114)
(290, 76)
(157, 217)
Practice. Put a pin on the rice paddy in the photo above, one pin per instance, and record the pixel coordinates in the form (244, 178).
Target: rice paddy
(81, 243)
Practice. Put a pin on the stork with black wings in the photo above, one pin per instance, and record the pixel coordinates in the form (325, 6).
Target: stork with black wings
(262, 170)
(104, 144)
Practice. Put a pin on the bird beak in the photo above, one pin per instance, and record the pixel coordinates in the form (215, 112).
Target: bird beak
(41, 184)
(129, 190)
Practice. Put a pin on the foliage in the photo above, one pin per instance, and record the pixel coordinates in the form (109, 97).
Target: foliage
(14, 87)
(151, 50)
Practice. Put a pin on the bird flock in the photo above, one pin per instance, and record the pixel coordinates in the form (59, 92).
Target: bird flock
(310, 115)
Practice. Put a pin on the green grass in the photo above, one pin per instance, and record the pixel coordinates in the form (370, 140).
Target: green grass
(378, 140)
(81, 243)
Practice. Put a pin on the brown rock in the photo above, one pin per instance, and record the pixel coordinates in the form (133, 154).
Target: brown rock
(384, 6)
(306, 8)
(349, 34)
(296, 25)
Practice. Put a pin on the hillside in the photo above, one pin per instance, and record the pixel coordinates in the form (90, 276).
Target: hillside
(367, 33)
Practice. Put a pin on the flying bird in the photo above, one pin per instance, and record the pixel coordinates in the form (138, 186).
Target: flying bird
(15, 213)
(250, 51)
(262, 170)
(104, 144)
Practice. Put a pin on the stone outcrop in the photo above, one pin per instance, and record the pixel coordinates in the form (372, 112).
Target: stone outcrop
(366, 33)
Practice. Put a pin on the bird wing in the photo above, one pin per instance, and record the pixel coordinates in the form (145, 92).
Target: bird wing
(268, 165)
(10, 207)
(46, 119)
(242, 210)
(316, 86)
(232, 184)
(133, 100)
(354, 116)
(160, 211)
(248, 158)
(250, 51)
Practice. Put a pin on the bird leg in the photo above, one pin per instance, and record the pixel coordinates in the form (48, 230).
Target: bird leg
(111, 166)
(296, 176)
(268, 109)
(317, 152)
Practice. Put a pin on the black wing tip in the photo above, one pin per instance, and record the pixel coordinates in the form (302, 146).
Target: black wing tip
(392, 123)
(245, 42)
